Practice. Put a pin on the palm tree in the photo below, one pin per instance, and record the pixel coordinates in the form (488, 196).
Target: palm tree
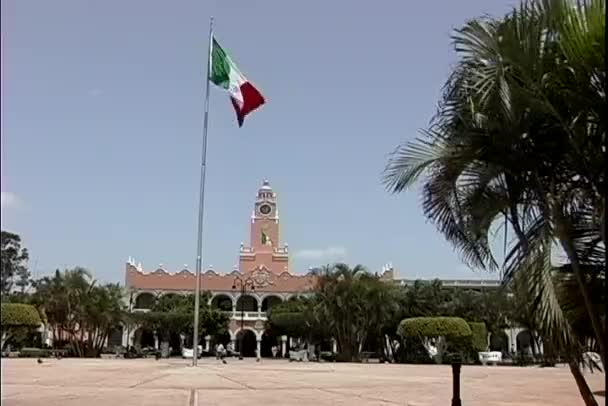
(517, 138)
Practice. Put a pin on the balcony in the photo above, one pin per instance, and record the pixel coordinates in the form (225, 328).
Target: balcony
(236, 315)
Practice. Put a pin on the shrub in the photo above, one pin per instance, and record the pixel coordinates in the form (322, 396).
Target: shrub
(17, 320)
(449, 327)
(34, 353)
(19, 315)
(436, 333)
(479, 336)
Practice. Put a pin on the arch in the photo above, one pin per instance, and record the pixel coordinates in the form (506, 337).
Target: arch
(145, 300)
(247, 303)
(499, 341)
(270, 339)
(143, 338)
(269, 301)
(524, 341)
(247, 338)
(115, 338)
(222, 301)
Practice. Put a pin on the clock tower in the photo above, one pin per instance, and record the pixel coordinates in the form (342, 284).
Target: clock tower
(264, 251)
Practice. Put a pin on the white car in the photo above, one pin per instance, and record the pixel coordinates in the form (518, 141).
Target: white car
(188, 352)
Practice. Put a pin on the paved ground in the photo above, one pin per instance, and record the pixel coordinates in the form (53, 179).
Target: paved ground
(73, 382)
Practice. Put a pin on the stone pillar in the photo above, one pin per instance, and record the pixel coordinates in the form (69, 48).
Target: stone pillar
(125, 338)
(258, 351)
(155, 342)
(283, 346)
(509, 341)
(207, 343)
(334, 346)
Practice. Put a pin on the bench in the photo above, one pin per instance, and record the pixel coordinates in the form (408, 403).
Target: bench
(493, 357)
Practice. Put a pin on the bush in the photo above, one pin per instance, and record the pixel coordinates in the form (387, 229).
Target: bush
(328, 356)
(449, 327)
(34, 353)
(479, 336)
(19, 315)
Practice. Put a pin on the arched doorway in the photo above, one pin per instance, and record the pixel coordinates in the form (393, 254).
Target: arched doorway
(247, 339)
(144, 300)
(247, 303)
(499, 342)
(222, 302)
(269, 340)
(223, 338)
(175, 344)
(524, 342)
(144, 338)
(269, 302)
(115, 338)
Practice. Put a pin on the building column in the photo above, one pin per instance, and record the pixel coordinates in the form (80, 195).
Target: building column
(258, 353)
(508, 334)
(207, 343)
(283, 346)
(125, 338)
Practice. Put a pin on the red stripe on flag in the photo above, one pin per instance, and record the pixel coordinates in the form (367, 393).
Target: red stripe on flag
(252, 99)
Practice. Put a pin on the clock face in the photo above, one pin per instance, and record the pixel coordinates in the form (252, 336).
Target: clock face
(265, 209)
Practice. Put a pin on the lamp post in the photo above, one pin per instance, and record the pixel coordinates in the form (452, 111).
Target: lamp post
(242, 285)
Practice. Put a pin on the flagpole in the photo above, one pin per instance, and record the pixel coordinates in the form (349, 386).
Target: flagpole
(201, 206)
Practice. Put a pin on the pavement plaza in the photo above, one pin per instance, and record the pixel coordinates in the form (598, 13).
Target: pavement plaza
(117, 382)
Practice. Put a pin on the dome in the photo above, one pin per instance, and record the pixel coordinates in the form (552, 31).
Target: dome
(266, 185)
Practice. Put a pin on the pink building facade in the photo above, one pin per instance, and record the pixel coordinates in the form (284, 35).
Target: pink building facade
(263, 269)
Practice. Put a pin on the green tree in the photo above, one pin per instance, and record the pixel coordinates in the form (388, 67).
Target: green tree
(174, 314)
(17, 319)
(14, 264)
(354, 304)
(78, 311)
(518, 138)
(435, 333)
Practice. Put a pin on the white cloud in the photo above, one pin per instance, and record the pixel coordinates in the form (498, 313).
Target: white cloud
(323, 253)
(9, 200)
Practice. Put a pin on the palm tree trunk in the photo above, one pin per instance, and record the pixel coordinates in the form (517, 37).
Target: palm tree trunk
(566, 242)
(581, 383)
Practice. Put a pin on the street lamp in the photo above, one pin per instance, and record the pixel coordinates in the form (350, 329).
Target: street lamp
(242, 284)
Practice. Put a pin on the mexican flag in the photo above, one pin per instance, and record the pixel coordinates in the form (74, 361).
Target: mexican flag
(224, 73)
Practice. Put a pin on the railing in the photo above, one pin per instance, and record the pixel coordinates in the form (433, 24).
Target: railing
(236, 315)
(458, 282)
(281, 251)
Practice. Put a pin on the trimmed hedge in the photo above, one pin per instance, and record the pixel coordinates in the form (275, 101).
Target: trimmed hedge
(449, 327)
(479, 337)
(34, 353)
(19, 315)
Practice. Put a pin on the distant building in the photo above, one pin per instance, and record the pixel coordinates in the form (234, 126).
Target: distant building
(263, 268)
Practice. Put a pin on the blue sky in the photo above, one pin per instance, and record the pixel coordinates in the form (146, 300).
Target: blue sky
(101, 129)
